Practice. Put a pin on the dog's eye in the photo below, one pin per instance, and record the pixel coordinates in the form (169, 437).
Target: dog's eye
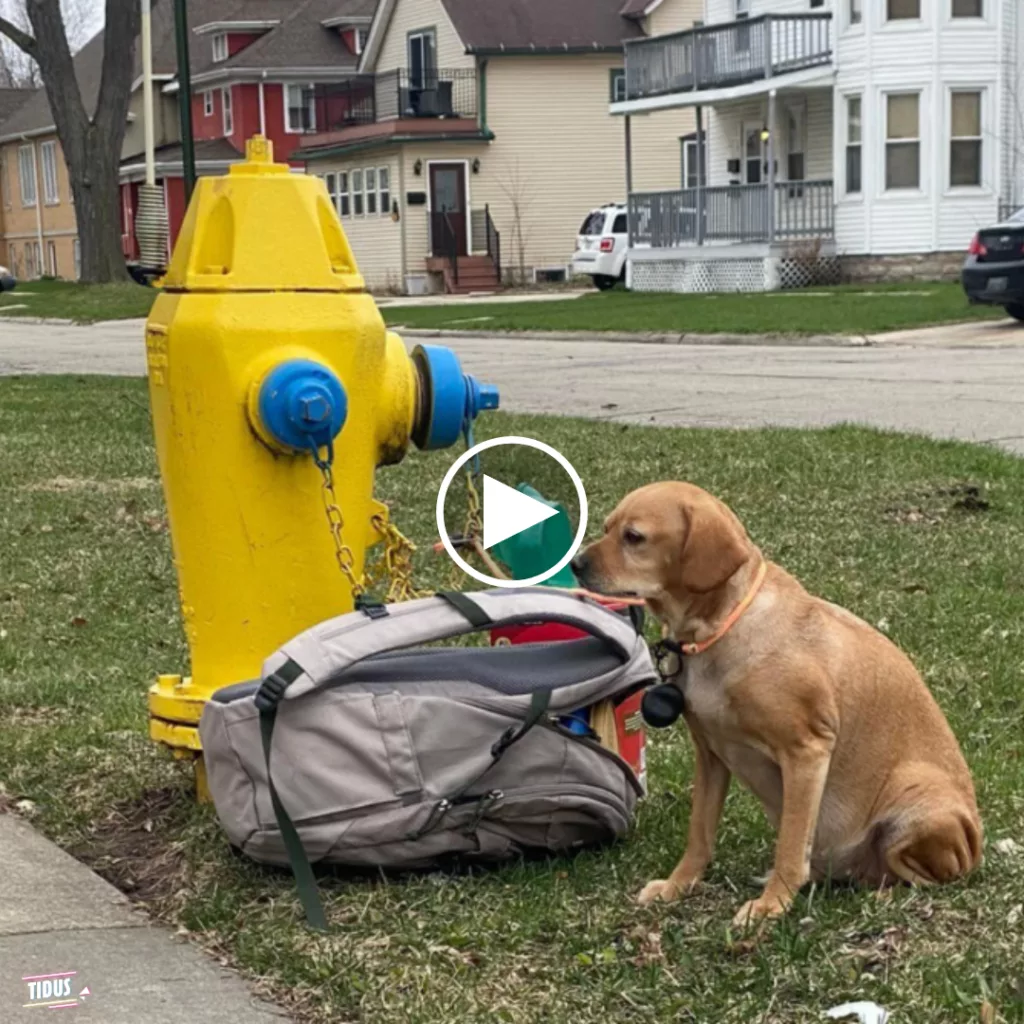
(631, 536)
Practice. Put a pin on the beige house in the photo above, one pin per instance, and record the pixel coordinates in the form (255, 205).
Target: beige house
(477, 136)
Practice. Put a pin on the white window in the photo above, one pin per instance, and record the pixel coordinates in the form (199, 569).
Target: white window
(33, 260)
(370, 177)
(384, 188)
(77, 247)
(27, 175)
(344, 200)
(51, 258)
(965, 139)
(796, 158)
(208, 103)
(968, 8)
(357, 193)
(618, 85)
(855, 12)
(229, 114)
(902, 10)
(48, 158)
(422, 51)
(331, 184)
(5, 180)
(299, 109)
(220, 47)
(854, 137)
(902, 140)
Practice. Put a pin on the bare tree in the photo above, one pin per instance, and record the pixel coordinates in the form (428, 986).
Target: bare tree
(517, 188)
(91, 142)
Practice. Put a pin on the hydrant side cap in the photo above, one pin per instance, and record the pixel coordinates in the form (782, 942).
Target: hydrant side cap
(449, 398)
(302, 402)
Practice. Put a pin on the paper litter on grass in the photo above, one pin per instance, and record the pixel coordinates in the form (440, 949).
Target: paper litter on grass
(865, 1012)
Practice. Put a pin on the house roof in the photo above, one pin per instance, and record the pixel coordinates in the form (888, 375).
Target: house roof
(216, 151)
(298, 41)
(637, 8)
(524, 26)
(12, 99)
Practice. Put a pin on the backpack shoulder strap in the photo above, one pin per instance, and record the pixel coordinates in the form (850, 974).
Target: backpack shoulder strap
(326, 650)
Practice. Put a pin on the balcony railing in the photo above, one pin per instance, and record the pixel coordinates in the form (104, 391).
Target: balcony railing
(733, 213)
(717, 56)
(392, 95)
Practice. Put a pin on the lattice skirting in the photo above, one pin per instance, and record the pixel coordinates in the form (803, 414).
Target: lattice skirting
(743, 274)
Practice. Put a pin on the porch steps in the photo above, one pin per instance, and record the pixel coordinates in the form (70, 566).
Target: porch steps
(476, 274)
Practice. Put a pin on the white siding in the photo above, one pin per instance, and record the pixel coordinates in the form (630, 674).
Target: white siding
(410, 15)
(873, 60)
(674, 16)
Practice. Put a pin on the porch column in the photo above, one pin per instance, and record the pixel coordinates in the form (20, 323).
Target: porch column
(771, 166)
(629, 179)
(699, 196)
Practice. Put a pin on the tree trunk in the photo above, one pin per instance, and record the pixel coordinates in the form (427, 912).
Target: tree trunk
(96, 188)
(91, 143)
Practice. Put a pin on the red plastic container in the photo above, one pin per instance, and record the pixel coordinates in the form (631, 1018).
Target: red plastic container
(629, 722)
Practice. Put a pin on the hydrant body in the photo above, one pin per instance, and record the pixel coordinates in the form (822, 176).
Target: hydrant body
(263, 348)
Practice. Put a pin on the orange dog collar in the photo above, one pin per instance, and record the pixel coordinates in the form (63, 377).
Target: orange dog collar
(734, 616)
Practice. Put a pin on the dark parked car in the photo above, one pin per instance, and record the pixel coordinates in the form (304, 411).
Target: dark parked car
(994, 271)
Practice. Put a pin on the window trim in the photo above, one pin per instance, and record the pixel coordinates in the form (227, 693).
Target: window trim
(616, 75)
(980, 92)
(208, 106)
(219, 47)
(29, 149)
(417, 33)
(49, 148)
(357, 192)
(289, 130)
(344, 198)
(361, 36)
(796, 112)
(887, 20)
(227, 112)
(886, 142)
(382, 190)
(849, 145)
(975, 18)
(852, 23)
(370, 191)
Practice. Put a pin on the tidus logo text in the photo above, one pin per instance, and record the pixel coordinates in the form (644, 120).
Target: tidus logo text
(54, 991)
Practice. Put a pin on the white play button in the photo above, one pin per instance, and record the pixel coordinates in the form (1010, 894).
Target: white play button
(508, 511)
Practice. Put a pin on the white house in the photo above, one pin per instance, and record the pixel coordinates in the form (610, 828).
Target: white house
(874, 134)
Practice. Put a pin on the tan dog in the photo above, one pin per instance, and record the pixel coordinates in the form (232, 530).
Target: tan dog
(824, 719)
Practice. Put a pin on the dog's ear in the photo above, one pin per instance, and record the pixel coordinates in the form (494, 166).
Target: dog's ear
(715, 547)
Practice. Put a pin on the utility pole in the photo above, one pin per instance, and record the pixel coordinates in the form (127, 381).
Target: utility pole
(188, 152)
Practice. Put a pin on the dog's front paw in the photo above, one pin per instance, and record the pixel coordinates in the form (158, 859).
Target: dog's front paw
(660, 890)
(754, 911)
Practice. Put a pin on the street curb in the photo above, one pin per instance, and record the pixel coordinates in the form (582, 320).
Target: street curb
(803, 341)
(38, 320)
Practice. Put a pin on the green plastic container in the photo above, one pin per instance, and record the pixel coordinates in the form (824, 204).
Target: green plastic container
(537, 548)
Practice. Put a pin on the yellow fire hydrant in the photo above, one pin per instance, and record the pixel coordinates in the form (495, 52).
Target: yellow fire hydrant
(276, 392)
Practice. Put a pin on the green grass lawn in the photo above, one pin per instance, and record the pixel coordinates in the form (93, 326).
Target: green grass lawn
(885, 524)
(83, 303)
(847, 310)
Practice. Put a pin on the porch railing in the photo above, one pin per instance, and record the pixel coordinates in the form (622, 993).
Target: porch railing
(732, 213)
(716, 56)
(398, 94)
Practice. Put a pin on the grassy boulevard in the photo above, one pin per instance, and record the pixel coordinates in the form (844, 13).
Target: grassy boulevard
(922, 538)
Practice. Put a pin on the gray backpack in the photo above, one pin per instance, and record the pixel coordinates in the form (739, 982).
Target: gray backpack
(359, 748)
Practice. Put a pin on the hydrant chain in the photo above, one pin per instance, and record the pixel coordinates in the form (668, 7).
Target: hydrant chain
(336, 522)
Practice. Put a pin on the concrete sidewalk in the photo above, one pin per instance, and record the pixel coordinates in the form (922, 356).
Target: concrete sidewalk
(63, 930)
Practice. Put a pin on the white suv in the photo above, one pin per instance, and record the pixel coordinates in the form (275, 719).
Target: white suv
(601, 246)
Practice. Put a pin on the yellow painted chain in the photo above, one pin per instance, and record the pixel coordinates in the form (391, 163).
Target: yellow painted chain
(396, 562)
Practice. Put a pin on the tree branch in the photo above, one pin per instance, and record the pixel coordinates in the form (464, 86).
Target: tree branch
(22, 40)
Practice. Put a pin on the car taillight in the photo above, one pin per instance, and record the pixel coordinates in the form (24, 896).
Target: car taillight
(607, 244)
(976, 248)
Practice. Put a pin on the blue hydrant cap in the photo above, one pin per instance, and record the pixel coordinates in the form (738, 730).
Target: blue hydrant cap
(449, 398)
(302, 401)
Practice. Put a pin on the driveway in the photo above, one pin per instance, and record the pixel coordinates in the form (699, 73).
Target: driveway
(941, 384)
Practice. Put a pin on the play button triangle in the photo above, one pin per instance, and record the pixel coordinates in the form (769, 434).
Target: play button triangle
(508, 511)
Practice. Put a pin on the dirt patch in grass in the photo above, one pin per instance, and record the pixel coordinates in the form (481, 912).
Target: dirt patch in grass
(133, 848)
(933, 507)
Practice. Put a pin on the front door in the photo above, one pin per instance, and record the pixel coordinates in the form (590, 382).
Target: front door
(448, 215)
(755, 155)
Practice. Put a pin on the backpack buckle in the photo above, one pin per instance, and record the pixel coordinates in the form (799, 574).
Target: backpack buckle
(371, 608)
(269, 695)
